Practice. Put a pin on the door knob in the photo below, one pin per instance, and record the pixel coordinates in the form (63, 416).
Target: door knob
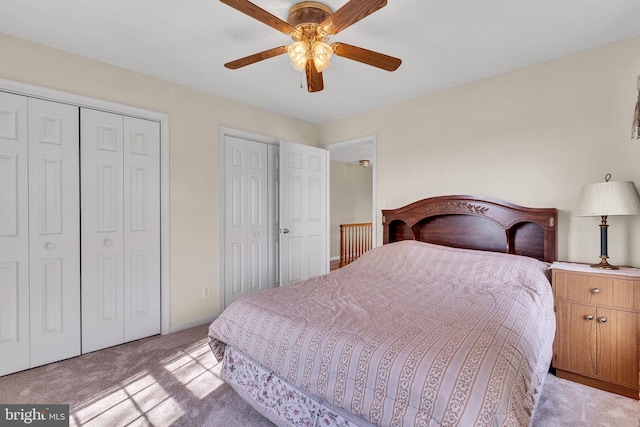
(602, 319)
(108, 242)
(595, 290)
(285, 231)
(588, 317)
(49, 246)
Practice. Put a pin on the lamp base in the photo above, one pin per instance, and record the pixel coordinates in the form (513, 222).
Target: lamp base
(604, 265)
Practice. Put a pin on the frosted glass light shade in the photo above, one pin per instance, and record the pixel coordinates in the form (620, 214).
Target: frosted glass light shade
(608, 198)
(321, 54)
(298, 54)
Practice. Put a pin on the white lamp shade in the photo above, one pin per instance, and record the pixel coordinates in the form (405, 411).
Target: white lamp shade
(608, 198)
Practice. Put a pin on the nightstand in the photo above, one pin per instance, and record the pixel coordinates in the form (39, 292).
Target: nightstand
(597, 317)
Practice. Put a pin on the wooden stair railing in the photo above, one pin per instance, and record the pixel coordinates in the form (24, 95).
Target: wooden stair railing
(355, 239)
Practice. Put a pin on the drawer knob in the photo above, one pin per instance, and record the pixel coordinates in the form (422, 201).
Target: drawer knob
(588, 317)
(602, 319)
(595, 290)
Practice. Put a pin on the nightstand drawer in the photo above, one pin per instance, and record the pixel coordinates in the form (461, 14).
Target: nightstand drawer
(603, 290)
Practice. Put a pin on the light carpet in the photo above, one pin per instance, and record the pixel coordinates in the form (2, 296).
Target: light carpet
(173, 380)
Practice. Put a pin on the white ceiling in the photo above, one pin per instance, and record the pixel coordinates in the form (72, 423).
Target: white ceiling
(351, 153)
(442, 43)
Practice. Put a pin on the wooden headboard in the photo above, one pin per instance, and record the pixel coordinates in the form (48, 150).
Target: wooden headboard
(475, 223)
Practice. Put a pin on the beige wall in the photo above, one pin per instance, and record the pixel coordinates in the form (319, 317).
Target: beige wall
(194, 119)
(531, 137)
(351, 189)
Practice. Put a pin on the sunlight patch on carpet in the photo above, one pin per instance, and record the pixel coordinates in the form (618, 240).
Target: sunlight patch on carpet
(195, 369)
(140, 400)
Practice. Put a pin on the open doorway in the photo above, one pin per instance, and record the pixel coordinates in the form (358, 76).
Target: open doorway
(352, 193)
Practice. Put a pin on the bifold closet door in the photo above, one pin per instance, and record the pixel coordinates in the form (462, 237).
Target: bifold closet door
(39, 233)
(120, 229)
(54, 231)
(14, 234)
(142, 228)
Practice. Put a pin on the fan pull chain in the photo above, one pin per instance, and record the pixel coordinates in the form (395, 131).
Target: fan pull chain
(301, 73)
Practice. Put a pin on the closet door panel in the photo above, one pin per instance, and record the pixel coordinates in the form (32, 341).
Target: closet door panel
(142, 228)
(54, 222)
(14, 234)
(102, 229)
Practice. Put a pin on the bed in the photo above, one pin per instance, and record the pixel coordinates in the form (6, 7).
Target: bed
(449, 323)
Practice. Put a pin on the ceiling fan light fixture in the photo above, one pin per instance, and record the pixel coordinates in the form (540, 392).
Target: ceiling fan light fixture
(310, 24)
(321, 55)
(298, 53)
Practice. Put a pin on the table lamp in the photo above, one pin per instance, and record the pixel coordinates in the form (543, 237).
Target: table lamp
(604, 199)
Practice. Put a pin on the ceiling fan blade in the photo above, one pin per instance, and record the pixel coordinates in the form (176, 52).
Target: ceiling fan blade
(256, 57)
(315, 83)
(261, 15)
(350, 13)
(366, 56)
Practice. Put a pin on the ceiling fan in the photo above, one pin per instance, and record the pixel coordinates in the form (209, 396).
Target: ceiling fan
(310, 24)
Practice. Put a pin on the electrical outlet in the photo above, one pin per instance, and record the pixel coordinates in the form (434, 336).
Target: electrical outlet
(206, 291)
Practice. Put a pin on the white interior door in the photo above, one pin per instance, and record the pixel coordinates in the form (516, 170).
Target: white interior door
(141, 228)
(102, 229)
(54, 231)
(14, 234)
(265, 185)
(246, 218)
(303, 212)
(273, 217)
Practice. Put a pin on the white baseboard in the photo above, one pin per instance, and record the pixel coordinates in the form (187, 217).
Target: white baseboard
(197, 322)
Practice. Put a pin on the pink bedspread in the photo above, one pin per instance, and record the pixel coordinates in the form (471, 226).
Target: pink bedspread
(410, 334)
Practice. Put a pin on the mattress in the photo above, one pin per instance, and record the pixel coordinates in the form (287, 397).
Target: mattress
(410, 334)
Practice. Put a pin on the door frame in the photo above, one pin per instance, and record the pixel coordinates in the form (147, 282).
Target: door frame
(34, 91)
(224, 131)
(365, 140)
